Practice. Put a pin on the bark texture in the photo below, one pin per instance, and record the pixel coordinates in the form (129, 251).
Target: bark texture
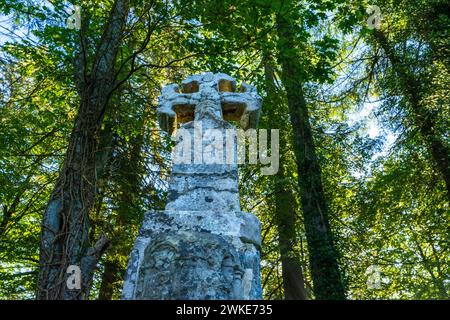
(285, 205)
(325, 271)
(65, 227)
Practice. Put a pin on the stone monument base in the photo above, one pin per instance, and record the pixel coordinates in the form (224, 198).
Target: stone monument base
(195, 255)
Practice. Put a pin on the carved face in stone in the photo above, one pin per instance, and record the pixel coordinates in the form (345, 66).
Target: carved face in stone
(189, 266)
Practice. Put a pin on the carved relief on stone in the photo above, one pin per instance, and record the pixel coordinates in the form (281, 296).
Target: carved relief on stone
(181, 264)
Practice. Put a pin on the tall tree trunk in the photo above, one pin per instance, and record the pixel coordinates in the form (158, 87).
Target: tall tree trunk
(325, 271)
(285, 210)
(65, 228)
(128, 174)
(422, 118)
(110, 276)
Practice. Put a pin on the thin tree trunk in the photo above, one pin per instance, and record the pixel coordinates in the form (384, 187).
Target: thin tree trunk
(110, 276)
(127, 177)
(325, 271)
(293, 281)
(422, 118)
(65, 228)
(285, 210)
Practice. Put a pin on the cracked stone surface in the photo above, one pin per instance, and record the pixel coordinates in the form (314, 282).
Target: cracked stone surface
(202, 246)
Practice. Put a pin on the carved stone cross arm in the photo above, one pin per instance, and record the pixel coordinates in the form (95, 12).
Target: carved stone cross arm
(208, 94)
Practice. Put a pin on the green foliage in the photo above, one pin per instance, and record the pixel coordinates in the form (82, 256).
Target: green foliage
(388, 202)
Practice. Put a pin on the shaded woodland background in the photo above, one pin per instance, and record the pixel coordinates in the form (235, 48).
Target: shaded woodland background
(363, 113)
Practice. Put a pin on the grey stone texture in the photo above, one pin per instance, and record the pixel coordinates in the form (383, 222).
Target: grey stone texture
(178, 105)
(202, 246)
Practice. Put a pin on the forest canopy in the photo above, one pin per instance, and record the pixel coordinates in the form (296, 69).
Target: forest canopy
(359, 208)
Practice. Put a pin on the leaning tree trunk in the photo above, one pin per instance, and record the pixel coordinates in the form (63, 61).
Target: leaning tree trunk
(285, 210)
(325, 271)
(422, 118)
(65, 228)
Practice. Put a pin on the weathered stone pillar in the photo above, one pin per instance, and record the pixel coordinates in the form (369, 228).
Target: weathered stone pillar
(202, 246)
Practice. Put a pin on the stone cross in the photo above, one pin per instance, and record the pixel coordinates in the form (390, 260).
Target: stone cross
(202, 246)
(208, 93)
